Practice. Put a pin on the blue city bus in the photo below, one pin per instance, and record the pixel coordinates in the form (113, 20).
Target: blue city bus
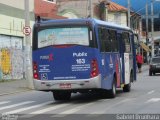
(82, 55)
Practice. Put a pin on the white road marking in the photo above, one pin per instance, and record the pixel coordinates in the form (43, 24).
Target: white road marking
(42, 111)
(111, 106)
(150, 92)
(4, 102)
(15, 105)
(49, 109)
(73, 110)
(28, 108)
(153, 100)
(119, 103)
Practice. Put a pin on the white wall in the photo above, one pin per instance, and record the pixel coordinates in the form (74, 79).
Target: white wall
(18, 3)
(123, 18)
(12, 25)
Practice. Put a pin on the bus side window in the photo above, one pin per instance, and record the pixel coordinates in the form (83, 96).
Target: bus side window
(113, 40)
(108, 42)
(101, 36)
(105, 43)
(126, 41)
(120, 43)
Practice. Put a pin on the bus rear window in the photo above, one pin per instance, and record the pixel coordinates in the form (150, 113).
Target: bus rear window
(63, 36)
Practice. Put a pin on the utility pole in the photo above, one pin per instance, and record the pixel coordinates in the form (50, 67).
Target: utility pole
(90, 9)
(147, 38)
(152, 28)
(147, 23)
(129, 4)
(28, 68)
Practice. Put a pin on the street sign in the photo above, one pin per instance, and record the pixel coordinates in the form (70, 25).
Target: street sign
(27, 30)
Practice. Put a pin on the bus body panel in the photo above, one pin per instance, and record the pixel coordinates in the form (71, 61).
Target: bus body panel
(127, 67)
(77, 84)
(68, 63)
(110, 68)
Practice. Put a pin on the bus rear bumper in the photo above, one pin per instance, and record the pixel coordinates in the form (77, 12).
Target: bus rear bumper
(50, 85)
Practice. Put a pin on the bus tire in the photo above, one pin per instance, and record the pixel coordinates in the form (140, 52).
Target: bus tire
(61, 95)
(127, 87)
(112, 92)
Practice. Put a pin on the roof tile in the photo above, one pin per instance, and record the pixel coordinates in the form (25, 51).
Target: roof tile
(116, 7)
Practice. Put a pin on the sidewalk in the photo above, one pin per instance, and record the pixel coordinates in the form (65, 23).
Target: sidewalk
(11, 87)
(145, 67)
(15, 86)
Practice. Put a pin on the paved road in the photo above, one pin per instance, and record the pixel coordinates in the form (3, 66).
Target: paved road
(144, 98)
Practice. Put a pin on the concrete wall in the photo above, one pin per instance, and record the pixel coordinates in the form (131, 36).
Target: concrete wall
(76, 9)
(121, 21)
(79, 9)
(11, 25)
(11, 57)
(18, 4)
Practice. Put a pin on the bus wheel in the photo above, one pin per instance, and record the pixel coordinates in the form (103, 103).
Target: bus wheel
(112, 92)
(127, 87)
(61, 95)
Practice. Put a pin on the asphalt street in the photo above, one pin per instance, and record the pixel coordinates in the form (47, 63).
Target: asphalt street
(144, 98)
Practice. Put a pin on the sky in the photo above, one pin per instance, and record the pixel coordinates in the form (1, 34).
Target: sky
(139, 5)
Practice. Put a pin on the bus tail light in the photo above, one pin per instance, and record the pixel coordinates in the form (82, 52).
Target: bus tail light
(94, 68)
(35, 71)
(35, 75)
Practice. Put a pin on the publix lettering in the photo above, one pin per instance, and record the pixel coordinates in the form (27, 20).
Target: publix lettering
(82, 54)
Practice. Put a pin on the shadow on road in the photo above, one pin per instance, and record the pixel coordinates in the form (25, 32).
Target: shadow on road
(79, 98)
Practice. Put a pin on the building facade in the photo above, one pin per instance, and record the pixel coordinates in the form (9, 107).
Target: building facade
(117, 14)
(81, 9)
(12, 39)
(46, 9)
(73, 8)
(151, 38)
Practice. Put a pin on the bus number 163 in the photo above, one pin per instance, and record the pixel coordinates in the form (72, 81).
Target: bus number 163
(80, 61)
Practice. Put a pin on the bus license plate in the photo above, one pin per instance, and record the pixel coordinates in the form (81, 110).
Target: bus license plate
(65, 85)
